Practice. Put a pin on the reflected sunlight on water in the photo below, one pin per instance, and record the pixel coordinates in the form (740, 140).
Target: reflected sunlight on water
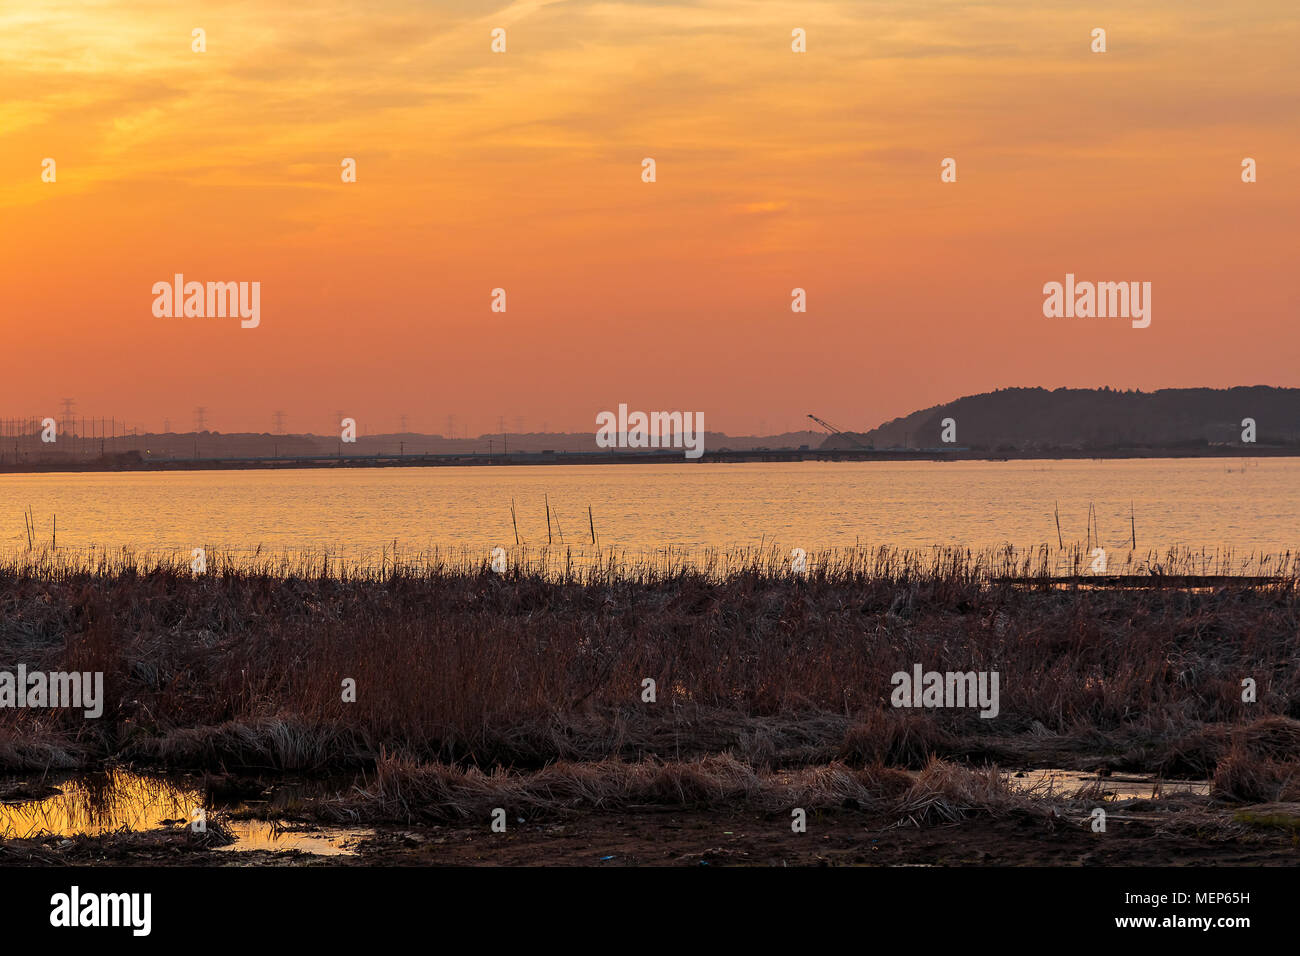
(813, 505)
(94, 804)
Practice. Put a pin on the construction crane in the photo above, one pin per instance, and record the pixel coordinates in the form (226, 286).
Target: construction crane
(835, 431)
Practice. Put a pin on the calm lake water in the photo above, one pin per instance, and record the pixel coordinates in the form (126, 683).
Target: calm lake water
(1247, 506)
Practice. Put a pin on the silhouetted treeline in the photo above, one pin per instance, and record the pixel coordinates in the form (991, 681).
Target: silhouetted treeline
(1018, 419)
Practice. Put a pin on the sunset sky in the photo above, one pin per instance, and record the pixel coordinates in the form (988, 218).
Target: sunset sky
(522, 170)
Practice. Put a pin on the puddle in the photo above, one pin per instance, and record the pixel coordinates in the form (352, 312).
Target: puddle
(264, 835)
(99, 803)
(1120, 786)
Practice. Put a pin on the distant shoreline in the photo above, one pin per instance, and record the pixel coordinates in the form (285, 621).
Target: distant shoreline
(127, 463)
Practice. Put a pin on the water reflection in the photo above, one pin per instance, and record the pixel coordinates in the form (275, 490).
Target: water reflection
(1116, 787)
(95, 804)
(1162, 503)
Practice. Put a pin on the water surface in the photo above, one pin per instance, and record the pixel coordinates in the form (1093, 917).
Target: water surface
(1197, 503)
(94, 804)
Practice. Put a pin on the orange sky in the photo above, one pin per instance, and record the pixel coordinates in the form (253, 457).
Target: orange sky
(523, 171)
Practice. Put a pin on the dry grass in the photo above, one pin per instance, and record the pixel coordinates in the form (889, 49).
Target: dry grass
(405, 791)
(1244, 777)
(242, 667)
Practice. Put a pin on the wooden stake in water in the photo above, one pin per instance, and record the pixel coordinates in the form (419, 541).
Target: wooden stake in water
(514, 521)
(592, 522)
(1133, 524)
(548, 518)
(1056, 509)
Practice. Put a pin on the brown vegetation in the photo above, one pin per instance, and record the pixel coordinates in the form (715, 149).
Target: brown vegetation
(242, 667)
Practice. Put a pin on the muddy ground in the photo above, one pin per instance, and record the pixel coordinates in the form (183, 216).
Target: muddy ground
(1138, 834)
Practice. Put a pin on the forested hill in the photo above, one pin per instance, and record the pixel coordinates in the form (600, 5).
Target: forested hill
(1038, 418)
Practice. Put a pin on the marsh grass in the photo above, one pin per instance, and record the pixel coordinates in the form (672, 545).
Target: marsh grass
(606, 566)
(461, 667)
(402, 789)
